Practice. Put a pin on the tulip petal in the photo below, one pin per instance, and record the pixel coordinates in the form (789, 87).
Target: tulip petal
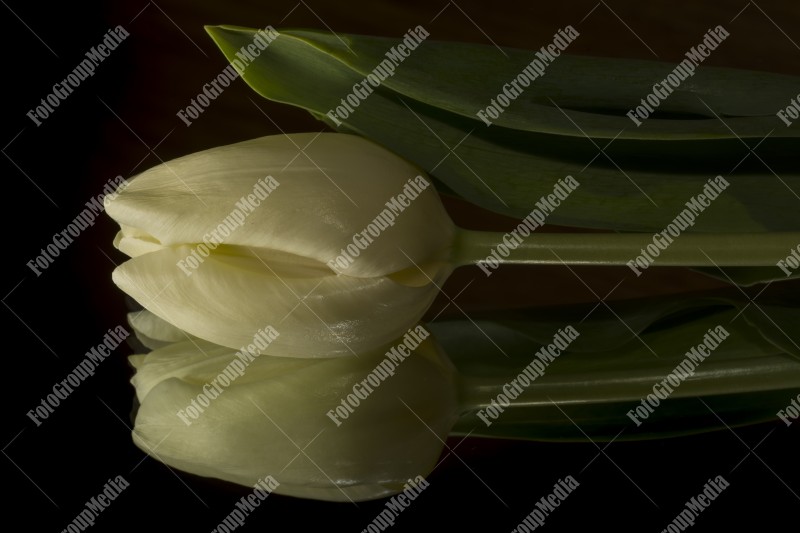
(233, 295)
(145, 322)
(273, 421)
(154, 332)
(153, 344)
(196, 361)
(133, 241)
(330, 187)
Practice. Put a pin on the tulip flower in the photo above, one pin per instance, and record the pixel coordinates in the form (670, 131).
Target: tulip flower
(272, 231)
(272, 419)
(359, 428)
(337, 241)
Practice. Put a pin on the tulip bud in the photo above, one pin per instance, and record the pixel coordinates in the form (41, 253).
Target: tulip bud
(333, 237)
(273, 418)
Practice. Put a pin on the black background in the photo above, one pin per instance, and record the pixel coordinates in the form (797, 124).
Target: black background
(110, 126)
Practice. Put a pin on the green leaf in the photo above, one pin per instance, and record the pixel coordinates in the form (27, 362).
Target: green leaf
(461, 78)
(426, 113)
(608, 421)
(602, 328)
(777, 323)
(600, 387)
(747, 276)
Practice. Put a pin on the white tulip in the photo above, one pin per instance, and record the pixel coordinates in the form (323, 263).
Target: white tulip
(278, 262)
(272, 420)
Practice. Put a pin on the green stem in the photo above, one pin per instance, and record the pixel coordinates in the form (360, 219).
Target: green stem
(604, 405)
(690, 249)
(478, 394)
(726, 376)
